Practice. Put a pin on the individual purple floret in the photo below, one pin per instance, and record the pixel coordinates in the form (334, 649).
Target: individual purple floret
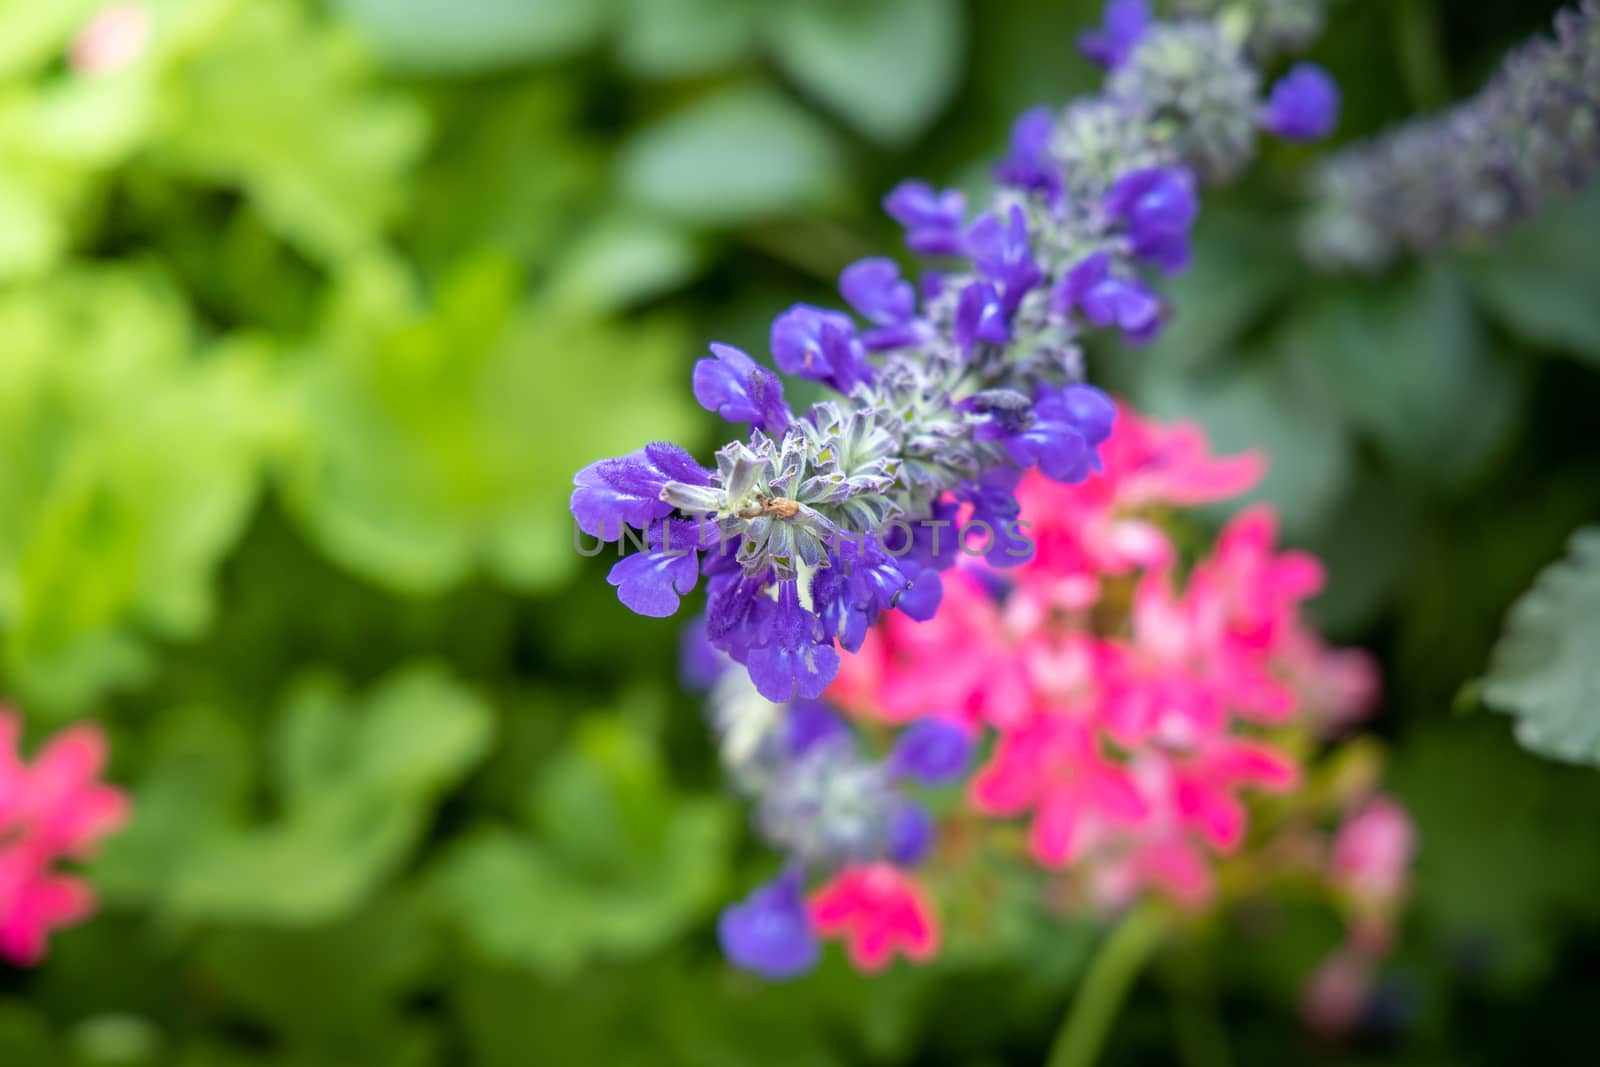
(935, 221)
(1030, 165)
(1115, 39)
(734, 386)
(933, 751)
(768, 932)
(1303, 105)
(1159, 205)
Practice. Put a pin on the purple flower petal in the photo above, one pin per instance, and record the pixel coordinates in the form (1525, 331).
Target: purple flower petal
(934, 752)
(740, 390)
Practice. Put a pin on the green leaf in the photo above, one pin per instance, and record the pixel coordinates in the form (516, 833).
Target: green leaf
(115, 515)
(355, 782)
(437, 443)
(1506, 843)
(284, 108)
(1546, 670)
(1539, 280)
(1411, 366)
(622, 864)
(473, 36)
(1242, 266)
(739, 154)
(887, 66)
(623, 260)
(681, 38)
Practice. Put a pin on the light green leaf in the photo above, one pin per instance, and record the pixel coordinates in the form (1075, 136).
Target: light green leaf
(739, 154)
(114, 515)
(886, 66)
(623, 260)
(472, 36)
(1546, 667)
(436, 444)
(356, 782)
(1539, 280)
(621, 866)
(285, 108)
(680, 38)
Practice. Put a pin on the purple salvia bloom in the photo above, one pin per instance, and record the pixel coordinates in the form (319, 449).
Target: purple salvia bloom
(1159, 205)
(921, 599)
(740, 390)
(1091, 411)
(934, 220)
(933, 751)
(626, 491)
(1124, 24)
(821, 345)
(1002, 254)
(875, 288)
(1053, 441)
(911, 834)
(810, 723)
(981, 316)
(1106, 300)
(1303, 105)
(790, 656)
(650, 583)
(769, 932)
(1029, 166)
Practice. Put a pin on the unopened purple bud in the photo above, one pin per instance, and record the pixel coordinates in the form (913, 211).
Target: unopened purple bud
(934, 220)
(1124, 24)
(933, 751)
(1303, 105)
(769, 932)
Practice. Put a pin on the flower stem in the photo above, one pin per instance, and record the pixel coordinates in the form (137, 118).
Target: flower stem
(1088, 1021)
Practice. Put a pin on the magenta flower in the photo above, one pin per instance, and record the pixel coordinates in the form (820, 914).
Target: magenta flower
(55, 808)
(879, 911)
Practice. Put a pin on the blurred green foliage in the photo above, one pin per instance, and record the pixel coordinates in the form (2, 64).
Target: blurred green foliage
(311, 311)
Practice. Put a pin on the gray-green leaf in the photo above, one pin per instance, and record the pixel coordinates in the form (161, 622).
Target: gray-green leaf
(885, 67)
(1545, 669)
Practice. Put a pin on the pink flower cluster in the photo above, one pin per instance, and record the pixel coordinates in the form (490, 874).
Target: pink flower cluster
(1134, 702)
(54, 808)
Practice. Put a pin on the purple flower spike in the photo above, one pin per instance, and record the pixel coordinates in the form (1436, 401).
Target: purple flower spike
(1122, 28)
(1303, 105)
(821, 345)
(1029, 165)
(740, 390)
(1159, 205)
(934, 752)
(911, 833)
(875, 289)
(933, 220)
(769, 932)
(626, 491)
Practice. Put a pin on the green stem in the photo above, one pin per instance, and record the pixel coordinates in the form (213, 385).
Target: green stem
(1421, 55)
(1088, 1021)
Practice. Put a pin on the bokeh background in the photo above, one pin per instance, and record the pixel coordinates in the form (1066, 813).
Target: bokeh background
(309, 311)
